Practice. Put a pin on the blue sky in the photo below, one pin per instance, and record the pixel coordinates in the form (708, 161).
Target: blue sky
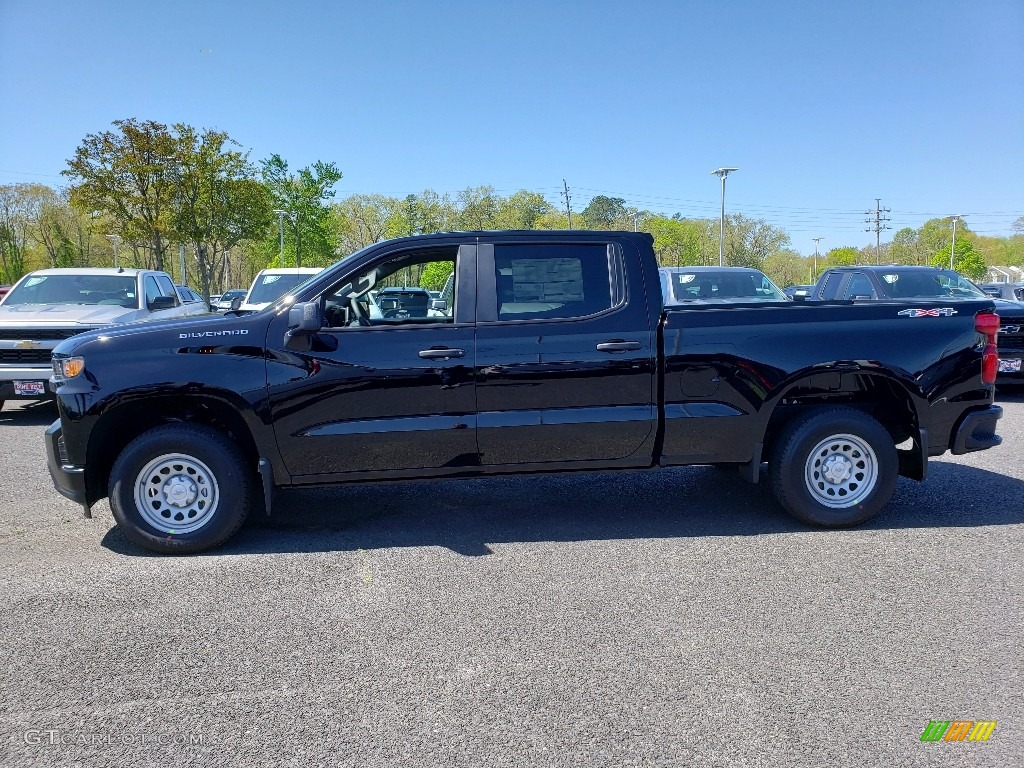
(823, 106)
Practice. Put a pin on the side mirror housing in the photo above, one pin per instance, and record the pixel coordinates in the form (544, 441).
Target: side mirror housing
(439, 305)
(161, 302)
(236, 303)
(801, 295)
(303, 319)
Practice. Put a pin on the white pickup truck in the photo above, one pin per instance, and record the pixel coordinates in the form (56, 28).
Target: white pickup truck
(50, 305)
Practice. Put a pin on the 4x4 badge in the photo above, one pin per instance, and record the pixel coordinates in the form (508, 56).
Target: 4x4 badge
(945, 312)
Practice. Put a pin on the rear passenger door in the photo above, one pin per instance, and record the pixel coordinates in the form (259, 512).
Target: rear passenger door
(565, 355)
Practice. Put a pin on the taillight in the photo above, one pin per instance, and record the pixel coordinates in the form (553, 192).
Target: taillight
(988, 324)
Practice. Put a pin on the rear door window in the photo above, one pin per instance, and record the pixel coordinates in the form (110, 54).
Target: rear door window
(570, 280)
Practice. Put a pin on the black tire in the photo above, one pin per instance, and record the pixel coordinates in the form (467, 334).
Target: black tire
(845, 491)
(210, 468)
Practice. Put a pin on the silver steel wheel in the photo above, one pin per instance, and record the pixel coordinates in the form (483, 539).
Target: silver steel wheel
(176, 493)
(841, 471)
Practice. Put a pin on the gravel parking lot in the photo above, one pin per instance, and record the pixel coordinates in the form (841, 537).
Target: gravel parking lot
(650, 619)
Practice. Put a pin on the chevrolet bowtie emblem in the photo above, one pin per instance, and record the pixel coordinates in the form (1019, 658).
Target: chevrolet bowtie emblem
(1010, 329)
(27, 344)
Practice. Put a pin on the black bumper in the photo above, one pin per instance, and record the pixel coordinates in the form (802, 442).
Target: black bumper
(68, 479)
(978, 431)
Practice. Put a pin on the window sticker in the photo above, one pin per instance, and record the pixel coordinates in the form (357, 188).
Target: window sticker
(547, 280)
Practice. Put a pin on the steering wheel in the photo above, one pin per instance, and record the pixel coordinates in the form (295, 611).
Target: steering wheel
(361, 317)
(399, 314)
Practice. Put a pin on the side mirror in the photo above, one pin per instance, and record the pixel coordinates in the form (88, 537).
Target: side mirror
(801, 295)
(303, 319)
(439, 305)
(161, 302)
(236, 303)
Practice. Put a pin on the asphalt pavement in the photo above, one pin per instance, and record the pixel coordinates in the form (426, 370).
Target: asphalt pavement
(672, 618)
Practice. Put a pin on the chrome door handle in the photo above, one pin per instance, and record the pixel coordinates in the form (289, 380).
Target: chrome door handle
(436, 353)
(617, 346)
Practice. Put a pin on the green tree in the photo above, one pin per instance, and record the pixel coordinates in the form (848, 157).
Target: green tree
(125, 174)
(310, 231)
(603, 212)
(906, 247)
(846, 256)
(787, 267)
(750, 241)
(19, 211)
(522, 210)
(435, 274)
(221, 201)
(966, 260)
(478, 208)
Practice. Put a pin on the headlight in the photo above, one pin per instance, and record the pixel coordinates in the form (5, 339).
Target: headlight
(65, 368)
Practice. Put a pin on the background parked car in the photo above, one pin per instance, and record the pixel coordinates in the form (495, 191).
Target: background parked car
(50, 305)
(272, 284)
(193, 303)
(790, 290)
(1009, 291)
(222, 303)
(734, 284)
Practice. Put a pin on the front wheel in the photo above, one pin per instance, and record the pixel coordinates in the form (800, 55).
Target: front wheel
(180, 488)
(835, 467)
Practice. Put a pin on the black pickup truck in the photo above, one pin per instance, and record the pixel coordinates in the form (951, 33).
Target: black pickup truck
(934, 285)
(547, 352)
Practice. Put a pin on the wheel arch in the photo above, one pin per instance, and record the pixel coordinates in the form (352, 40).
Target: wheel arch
(132, 416)
(880, 394)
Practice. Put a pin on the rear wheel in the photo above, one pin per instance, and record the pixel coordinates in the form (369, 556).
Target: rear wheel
(180, 488)
(835, 467)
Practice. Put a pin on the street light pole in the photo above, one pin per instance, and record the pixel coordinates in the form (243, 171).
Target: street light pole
(722, 173)
(816, 239)
(952, 247)
(115, 239)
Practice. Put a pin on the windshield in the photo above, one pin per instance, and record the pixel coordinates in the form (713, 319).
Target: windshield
(116, 290)
(272, 287)
(927, 284)
(724, 285)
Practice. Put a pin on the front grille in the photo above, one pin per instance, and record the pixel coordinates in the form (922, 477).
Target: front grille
(25, 355)
(1014, 340)
(39, 334)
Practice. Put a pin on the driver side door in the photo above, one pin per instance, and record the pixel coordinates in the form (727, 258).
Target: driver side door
(381, 392)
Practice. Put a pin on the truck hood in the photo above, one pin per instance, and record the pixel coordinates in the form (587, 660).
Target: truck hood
(64, 315)
(175, 332)
(1007, 308)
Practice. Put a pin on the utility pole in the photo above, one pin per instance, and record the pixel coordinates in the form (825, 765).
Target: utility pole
(568, 200)
(636, 219)
(879, 224)
(816, 240)
(952, 248)
(115, 239)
